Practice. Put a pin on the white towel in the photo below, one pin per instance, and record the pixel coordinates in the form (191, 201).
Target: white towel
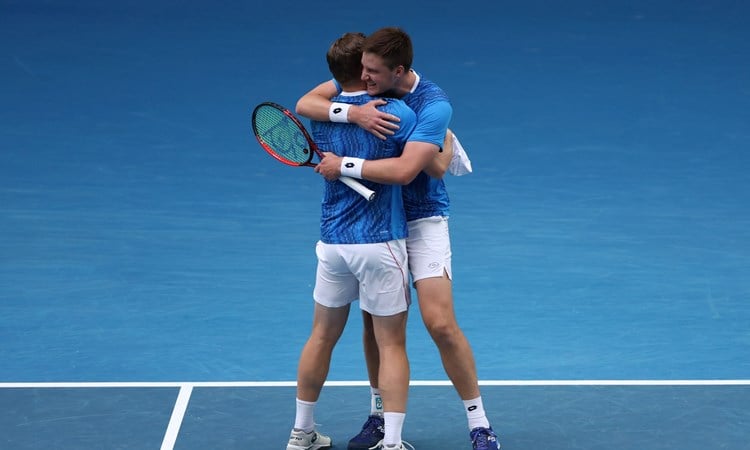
(460, 163)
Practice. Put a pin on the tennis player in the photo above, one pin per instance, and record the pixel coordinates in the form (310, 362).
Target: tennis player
(361, 255)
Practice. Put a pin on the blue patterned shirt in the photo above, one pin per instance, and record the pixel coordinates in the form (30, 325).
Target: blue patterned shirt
(346, 217)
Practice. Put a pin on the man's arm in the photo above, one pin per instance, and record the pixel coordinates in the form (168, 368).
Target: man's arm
(439, 164)
(316, 104)
(398, 170)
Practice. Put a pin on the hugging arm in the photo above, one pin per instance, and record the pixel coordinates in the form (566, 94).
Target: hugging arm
(398, 170)
(316, 104)
(439, 164)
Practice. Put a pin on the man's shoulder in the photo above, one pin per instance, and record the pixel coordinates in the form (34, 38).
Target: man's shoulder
(429, 85)
(429, 92)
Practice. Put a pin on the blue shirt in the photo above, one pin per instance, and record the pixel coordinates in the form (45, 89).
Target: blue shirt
(346, 217)
(426, 196)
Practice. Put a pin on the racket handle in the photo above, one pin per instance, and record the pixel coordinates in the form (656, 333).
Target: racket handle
(361, 189)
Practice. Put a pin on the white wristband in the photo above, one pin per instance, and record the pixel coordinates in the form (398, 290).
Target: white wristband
(338, 112)
(351, 167)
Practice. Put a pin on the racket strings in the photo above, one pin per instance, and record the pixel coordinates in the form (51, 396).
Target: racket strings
(281, 134)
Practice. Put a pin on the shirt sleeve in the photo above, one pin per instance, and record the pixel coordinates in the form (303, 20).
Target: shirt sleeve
(432, 123)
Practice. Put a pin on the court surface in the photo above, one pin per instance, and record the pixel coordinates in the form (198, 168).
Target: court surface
(156, 266)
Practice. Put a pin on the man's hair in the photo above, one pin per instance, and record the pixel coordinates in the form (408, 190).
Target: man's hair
(393, 45)
(345, 57)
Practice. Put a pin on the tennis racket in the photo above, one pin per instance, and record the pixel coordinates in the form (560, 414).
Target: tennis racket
(284, 137)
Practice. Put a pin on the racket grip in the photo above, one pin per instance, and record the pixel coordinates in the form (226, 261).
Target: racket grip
(361, 189)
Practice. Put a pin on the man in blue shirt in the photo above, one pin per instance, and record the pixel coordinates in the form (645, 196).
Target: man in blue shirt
(361, 255)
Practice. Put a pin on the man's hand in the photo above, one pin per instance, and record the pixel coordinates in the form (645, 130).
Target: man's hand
(329, 166)
(370, 118)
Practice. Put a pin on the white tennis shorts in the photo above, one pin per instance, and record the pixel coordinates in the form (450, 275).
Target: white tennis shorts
(429, 248)
(374, 273)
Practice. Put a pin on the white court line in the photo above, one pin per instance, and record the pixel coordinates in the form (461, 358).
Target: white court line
(186, 389)
(178, 413)
(183, 384)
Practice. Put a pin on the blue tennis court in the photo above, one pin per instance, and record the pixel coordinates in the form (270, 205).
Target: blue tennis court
(156, 266)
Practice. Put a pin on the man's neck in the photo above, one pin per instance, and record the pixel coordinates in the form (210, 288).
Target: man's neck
(355, 86)
(406, 83)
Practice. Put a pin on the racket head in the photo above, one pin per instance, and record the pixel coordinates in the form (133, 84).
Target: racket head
(282, 135)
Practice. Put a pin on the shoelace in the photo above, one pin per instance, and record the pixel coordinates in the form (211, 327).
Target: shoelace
(404, 445)
(372, 424)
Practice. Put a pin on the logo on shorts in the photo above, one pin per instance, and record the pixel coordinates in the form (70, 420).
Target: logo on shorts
(433, 265)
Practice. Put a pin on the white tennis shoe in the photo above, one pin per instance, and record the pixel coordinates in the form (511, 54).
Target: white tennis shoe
(299, 440)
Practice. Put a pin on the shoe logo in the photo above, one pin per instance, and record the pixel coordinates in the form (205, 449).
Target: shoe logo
(314, 438)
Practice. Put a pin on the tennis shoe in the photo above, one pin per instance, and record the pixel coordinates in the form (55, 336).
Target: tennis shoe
(370, 436)
(484, 439)
(403, 446)
(299, 440)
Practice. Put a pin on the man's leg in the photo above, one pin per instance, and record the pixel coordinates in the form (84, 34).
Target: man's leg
(372, 355)
(315, 360)
(372, 431)
(436, 305)
(384, 289)
(393, 376)
(312, 371)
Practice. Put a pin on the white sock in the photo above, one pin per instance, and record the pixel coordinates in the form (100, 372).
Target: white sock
(475, 413)
(376, 402)
(394, 423)
(304, 419)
